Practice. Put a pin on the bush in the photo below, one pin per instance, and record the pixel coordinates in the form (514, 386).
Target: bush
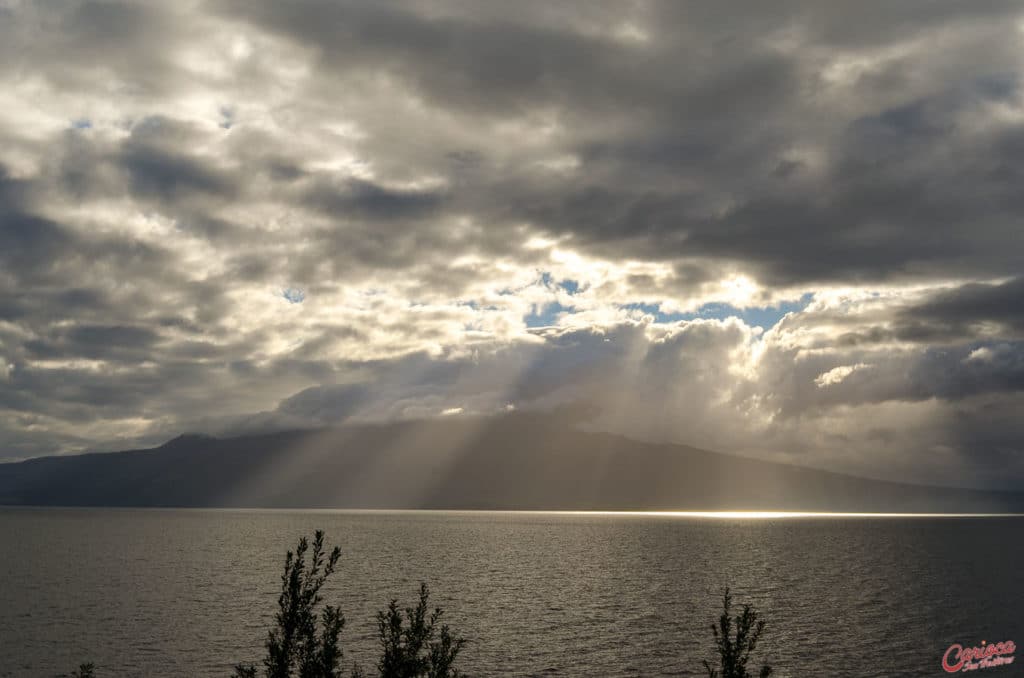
(411, 646)
(734, 652)
(411, 651)
(294, 647)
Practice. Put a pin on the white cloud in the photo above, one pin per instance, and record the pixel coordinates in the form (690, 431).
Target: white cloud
(837, 374)
(417, 211)
(983, 354)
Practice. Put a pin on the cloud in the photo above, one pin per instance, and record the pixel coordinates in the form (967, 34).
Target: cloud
(473, 207)
(837, 374)
(972, 309)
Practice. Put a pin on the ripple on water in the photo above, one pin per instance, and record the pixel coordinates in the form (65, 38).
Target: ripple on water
(171, 593)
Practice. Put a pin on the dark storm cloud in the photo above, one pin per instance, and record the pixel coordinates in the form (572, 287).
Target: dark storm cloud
(170, 176)
(967, 371)
(906, 189)
(155, 162)
(972, 311)
(28, 243)
(361, 199)
(492, 65)
(972, 304)
(951, 374)
(906, 194)
(97, 341)
(420, 171)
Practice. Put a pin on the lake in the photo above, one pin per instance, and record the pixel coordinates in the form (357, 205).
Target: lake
(192, 592)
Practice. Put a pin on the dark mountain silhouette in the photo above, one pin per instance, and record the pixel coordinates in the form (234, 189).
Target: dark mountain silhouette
(519, 461)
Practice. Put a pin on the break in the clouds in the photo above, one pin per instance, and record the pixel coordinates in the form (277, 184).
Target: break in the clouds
(788, 231)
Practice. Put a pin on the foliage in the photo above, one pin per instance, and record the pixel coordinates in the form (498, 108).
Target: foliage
(414, 646)
(734, 651)
(294, 646)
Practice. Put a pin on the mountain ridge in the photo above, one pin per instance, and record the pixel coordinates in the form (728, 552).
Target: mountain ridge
(511, 462)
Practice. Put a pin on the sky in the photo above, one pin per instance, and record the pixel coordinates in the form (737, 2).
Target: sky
(786, 230)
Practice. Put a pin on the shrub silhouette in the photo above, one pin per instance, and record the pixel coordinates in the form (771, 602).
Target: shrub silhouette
(414, 646)
(294, 647)
(734, 651)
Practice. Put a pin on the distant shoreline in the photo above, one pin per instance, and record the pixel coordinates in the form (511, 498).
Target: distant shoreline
(715, 515)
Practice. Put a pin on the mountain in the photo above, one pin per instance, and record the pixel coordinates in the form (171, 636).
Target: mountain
(518, 461)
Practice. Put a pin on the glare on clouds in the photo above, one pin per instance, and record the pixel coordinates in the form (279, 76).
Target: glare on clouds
(783, 232)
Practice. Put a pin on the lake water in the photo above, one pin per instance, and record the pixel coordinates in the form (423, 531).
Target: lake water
(191, 592)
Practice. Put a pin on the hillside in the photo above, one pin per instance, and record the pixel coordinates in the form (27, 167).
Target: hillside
(512, 462)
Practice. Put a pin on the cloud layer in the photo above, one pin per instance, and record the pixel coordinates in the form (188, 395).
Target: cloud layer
(788, 232)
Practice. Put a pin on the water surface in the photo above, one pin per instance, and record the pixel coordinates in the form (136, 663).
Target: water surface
(191, 592)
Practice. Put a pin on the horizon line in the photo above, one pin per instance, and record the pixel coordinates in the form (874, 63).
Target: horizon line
(726, 515)
(736, 514)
